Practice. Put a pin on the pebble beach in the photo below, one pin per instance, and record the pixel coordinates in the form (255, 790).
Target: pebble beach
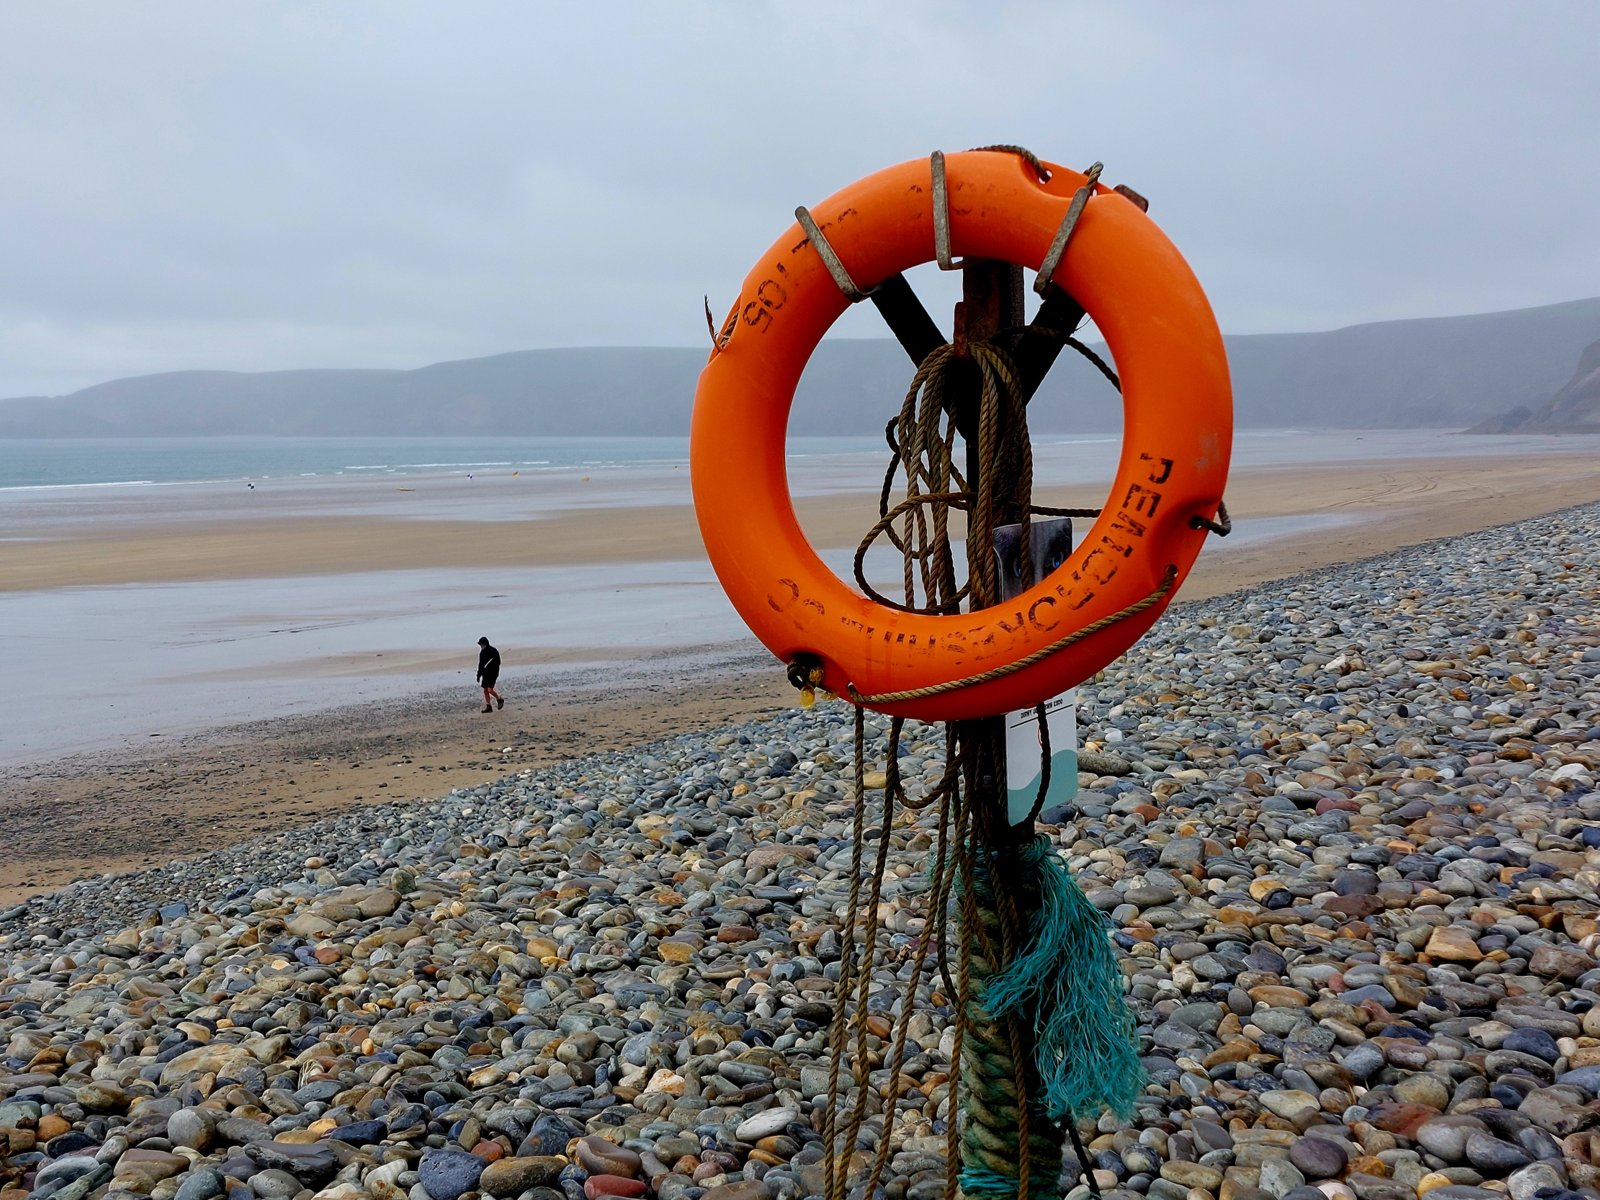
(1346, 836)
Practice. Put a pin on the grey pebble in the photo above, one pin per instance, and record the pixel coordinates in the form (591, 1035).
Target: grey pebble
(1375, 774)
(449, 1174)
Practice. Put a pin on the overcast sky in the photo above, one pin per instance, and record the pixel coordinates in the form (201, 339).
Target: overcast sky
(255, 186)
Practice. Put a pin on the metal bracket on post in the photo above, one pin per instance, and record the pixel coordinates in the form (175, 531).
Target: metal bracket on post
(1058, 245)
(830, 257)
(941, 215)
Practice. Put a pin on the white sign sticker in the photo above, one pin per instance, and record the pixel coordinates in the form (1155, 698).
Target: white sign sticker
(1025, 758)
(1049, 544)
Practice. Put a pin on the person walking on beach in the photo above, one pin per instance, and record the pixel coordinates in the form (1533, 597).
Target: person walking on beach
(488, 673)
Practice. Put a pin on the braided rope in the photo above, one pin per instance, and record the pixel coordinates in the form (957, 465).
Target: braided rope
(1008, 1146)
(855, 971)
(1033, 160)
(1168, 579)
(907, 1005)
(923, 440)
(834, 1173)
(999, 1141)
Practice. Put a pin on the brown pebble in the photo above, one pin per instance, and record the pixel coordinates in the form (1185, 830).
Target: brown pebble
(597, 1186)
(600, 1157)
(1403, 1119)
(1276, 995)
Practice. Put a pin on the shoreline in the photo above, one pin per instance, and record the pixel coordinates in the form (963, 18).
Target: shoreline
(740, 690)
(1344, 860)
(128, 809)
(141, 805)
(224, 544)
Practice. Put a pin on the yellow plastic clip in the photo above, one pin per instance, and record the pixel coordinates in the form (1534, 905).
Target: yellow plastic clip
(805, 673)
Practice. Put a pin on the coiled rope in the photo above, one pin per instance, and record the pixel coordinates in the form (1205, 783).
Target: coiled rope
(1042, 1035)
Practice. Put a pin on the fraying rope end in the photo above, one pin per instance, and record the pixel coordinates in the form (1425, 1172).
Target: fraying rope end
(1068, 985)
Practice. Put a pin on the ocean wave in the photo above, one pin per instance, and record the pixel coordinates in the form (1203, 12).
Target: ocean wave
(458, 464)
(45, 487)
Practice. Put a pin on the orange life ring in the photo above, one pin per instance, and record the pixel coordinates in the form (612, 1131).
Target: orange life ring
(1177, 434)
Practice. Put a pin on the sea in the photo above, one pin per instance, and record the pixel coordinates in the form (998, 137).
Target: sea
(104, 666)
(151, 462)
(133, 463)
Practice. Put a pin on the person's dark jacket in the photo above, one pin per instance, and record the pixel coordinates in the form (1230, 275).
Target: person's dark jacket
(488, 666)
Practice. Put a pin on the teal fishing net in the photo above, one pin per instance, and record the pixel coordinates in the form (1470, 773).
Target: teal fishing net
(1066, 984)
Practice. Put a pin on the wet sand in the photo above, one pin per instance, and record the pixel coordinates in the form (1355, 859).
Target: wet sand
(126, 810)
(142, 805)
(1447, 495)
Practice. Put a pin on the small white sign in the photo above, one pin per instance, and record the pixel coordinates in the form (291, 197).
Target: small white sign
(1025, 758)
(1049, 544)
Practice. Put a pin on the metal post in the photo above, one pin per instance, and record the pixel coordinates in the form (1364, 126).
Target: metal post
(992, 302)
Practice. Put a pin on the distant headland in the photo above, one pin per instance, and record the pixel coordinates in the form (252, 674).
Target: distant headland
(1500, 372)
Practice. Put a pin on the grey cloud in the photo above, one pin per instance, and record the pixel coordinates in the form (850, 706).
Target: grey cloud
(343, 184)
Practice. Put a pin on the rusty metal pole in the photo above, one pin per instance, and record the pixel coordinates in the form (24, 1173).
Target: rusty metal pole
(992, 302)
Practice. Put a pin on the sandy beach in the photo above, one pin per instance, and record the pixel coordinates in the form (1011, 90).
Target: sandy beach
(1341, 865)
(157, 799)
(1412, 498)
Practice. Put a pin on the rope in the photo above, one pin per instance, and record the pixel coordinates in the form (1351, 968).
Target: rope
(1099, 363)
(1028, 1057)
(924, 448)
(922, 440)
(1222, 526)
(834, 1179)
(1068, 987)
(1006, 1150)
(1034, 161)
(1168, 578)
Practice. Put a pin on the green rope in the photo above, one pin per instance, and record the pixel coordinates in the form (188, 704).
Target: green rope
(1065, 983)
(1005, 1133)
(975, 1182)
(1042, 1033)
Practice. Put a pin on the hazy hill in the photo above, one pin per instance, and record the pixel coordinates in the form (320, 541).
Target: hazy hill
(1574, 409)
(1438, 372)
(1435, 372)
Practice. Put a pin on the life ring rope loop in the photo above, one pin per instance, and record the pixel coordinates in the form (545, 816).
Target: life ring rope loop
(830, 257)
(1040, 167)
(1069, 223)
